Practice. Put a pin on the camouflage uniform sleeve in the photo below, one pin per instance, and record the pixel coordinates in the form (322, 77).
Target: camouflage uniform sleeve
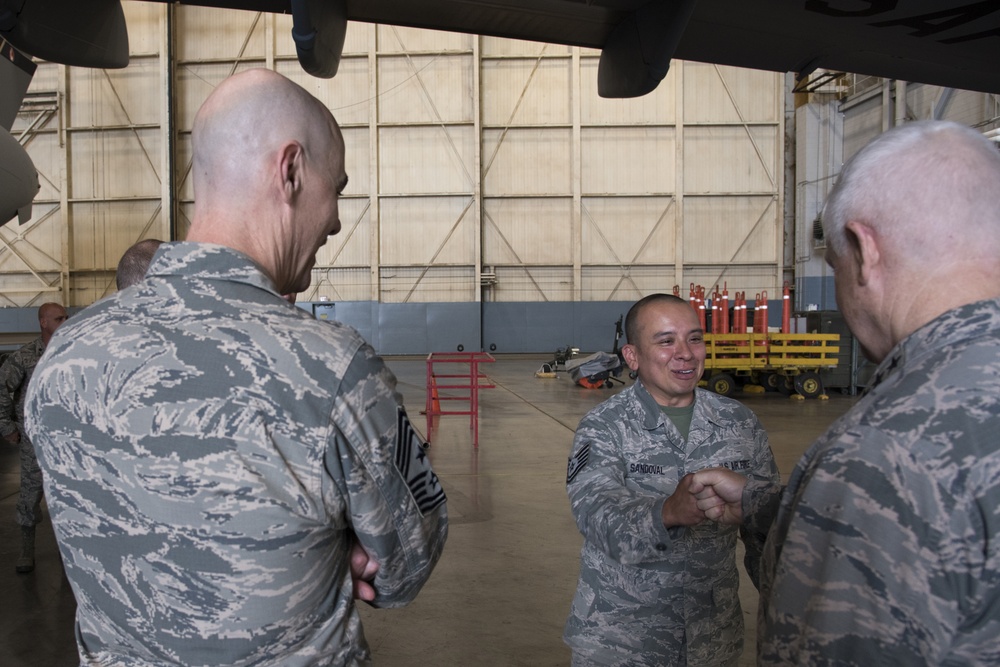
(624, 524)
(11, 377)
(763, 474)
(395, 501)
(761, 499)
(861, 570)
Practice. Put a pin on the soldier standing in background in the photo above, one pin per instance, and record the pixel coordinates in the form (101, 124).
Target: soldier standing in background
(225, 473)
(658, 584)
(885, 547)
(14, 376)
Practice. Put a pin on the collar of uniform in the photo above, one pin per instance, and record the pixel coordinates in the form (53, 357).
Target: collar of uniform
(966, 321)
(207, 261)
(653, 416)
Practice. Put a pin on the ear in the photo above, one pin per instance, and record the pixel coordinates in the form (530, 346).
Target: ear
(863, 244)
(630, 356)
(291, 159)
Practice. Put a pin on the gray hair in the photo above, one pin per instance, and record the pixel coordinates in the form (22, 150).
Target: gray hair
(917, 182)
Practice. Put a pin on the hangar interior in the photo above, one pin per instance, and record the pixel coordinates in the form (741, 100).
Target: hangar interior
(496, 203)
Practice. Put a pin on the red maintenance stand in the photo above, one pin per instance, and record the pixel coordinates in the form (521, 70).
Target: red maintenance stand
(461, 386)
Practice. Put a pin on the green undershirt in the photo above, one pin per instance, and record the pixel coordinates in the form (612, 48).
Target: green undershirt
(681, 417)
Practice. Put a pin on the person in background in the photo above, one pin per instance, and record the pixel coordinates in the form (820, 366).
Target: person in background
(14, 376)
(226, 473)
(885, 546)
(134, 262)
(658, 584)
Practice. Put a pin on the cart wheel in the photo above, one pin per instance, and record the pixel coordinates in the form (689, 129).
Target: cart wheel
(722, 384)
(786, 386)
(771, 381)
(809, 384)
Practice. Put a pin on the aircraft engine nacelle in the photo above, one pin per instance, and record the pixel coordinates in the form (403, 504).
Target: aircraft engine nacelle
(18, 180)
(319, 28)
(637, 54)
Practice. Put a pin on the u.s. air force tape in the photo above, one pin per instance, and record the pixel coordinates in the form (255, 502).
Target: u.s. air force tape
(415, 467)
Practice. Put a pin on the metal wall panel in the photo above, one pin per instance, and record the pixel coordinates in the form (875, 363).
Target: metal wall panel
(524, 230)
(628, 160)
(730, 230)
(480, 168)
(648, 238)
(396, 39)
(401, 284)
(427, 231)
(425, 88)
(723, 94)
(499, 47)
(425, 160)
(731, 159)
(532, 283)
(527, 91)
(215, 35)
(527, 161)
(605, 283)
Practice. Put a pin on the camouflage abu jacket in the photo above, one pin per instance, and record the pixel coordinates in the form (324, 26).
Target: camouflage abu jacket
(648, 595)
(15, 373)
(209, 450)
(886, 545)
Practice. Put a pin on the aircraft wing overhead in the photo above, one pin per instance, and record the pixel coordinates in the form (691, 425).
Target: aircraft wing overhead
(575, 22)
(16, 70)
(950, 43)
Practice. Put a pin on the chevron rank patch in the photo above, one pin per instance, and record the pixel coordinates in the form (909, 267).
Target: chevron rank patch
(577, 463)
(415, 467)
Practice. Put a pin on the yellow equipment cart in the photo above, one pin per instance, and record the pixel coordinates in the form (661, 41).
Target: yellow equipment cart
(774, 361)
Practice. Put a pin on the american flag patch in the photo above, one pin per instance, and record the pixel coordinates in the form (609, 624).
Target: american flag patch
(577, 462)
(415, 467)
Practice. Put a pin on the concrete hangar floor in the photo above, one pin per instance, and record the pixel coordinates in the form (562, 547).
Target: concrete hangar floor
(502, 589)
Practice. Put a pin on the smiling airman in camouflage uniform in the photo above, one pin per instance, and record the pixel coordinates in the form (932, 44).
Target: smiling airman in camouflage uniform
(659, 585)
(214, 455)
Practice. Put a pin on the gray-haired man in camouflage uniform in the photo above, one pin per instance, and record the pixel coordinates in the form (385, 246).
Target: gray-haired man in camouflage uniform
(14, 376)
(885, 549)
(226, 473)
(658, 584)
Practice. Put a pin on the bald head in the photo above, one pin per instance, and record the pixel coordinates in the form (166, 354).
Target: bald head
(268, 168)
(927, 188)
(50, 317)
(134, 262)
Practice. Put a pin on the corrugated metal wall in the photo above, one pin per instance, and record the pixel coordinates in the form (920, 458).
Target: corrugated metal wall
(480, 168)
(832, 128)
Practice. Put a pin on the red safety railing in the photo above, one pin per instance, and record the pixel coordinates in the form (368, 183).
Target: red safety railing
(458, 386)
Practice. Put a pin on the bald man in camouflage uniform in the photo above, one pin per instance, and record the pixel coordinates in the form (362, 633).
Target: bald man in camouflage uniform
(658, 584)
(885, 549)
(226, 473)
(15, 373)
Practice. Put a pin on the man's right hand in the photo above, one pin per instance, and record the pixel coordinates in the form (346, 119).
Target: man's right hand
(363, 570)
(13, 437)
(719, 494)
